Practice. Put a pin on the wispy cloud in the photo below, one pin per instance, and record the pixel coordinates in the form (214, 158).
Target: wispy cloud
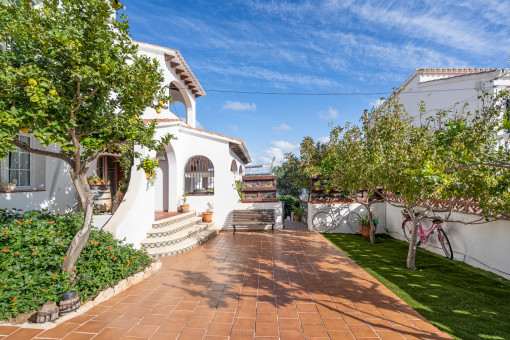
(238, 106)
(281, 128)
(233, 127)
(276, 150)
(284, 145)
(256, 72)
(330, 113)
(323, 140)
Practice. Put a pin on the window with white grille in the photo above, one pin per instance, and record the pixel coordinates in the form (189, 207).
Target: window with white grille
(199, 176)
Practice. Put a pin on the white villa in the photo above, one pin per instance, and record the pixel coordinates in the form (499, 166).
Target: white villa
(201, 164)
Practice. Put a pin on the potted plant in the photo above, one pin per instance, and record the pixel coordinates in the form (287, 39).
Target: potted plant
(149, 165)
(207, 215)
(94, 180)
(364, 224)
(298, 212)
(8, 187)
(184, 207)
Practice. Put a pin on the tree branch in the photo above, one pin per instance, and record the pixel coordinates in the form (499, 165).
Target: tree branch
(26, 147)
(84, 100)
(493, 165)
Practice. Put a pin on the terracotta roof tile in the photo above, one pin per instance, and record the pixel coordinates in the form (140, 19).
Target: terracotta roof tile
(201, 91)
(167, 120)
(164, 120)
(476, 71)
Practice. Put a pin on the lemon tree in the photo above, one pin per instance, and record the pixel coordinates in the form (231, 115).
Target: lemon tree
(71, 76)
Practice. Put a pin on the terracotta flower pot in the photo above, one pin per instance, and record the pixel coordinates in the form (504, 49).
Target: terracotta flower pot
(365, 230)
(207, 217)
(148, 176)
(297, 218)
(184, 207)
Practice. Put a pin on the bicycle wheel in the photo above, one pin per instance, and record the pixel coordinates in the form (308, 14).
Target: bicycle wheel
(353, 221)
(445, 243)
(322, 222)
(407, 228)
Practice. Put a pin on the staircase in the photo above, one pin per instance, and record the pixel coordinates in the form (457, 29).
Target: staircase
(177, 234)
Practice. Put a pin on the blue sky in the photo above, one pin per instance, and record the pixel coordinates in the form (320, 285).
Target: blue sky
(314, 47)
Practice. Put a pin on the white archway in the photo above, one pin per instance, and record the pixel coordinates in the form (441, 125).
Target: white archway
(180, 95)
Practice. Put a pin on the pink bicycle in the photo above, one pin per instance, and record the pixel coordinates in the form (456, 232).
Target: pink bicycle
(423, 235)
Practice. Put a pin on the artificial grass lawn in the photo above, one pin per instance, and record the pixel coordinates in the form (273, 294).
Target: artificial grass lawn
(463, 301)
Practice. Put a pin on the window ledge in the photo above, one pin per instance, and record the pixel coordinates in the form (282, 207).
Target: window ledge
(22, 191)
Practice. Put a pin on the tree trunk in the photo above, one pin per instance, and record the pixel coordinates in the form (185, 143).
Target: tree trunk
(372, 226)
(411, 255)
(82, 236)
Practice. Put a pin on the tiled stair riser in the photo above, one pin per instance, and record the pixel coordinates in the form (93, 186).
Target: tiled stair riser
(182, 250)
(157, 244)
(173, 220)
(173, 231)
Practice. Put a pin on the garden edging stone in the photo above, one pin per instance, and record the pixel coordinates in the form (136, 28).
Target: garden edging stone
(103, 296)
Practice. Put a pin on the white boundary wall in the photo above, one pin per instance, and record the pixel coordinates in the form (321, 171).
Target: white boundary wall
(340, 213)
(485, 246)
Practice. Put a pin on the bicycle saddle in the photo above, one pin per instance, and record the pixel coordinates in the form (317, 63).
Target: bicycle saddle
(405, 212)
(437, 220)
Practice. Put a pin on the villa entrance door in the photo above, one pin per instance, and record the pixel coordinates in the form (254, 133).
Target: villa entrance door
(109, 169)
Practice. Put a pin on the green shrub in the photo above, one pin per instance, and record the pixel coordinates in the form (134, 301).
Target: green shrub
(33, 246)
(289, 202)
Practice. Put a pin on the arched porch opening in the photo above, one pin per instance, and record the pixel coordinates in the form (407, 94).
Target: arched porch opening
(181, 104)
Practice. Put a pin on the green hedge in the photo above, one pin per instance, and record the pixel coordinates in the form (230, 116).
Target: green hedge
(288, 203)
(33, 246)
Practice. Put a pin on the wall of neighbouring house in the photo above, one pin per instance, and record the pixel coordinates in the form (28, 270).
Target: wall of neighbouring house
(480, 245)
(52, 187)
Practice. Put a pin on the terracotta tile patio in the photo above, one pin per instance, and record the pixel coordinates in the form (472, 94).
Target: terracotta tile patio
(287, 284)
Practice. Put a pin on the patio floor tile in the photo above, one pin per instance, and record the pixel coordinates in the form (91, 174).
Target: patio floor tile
(250, 285)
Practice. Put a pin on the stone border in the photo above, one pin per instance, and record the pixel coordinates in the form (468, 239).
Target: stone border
(103, 296)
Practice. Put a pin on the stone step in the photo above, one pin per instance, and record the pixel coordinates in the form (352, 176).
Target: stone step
(174, 227)
(157, 242)
(174, 219)
(185, 245)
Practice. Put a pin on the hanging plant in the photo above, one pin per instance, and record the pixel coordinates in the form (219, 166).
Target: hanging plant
(149, 165)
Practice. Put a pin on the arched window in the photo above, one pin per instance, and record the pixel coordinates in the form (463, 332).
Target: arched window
(240, 169)
(199, 176)
(233, 166)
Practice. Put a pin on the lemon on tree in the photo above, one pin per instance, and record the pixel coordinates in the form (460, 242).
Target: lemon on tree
(158, 110)
(109, 64)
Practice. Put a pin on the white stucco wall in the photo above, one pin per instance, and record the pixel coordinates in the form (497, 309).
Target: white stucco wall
(52, 186)
(451, 93)
(480, 245)
(340, 213)
(135, 214)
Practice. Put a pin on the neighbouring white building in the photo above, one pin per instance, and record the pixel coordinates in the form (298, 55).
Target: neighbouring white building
(201, 164)
(480, 245)
(450, 89)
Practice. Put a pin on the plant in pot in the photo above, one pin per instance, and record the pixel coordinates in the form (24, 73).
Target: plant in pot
(94, 180)
(149, 165)
(207, 215)
(298, 212)
(364, 224)
(8, 187)
(184, 207)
